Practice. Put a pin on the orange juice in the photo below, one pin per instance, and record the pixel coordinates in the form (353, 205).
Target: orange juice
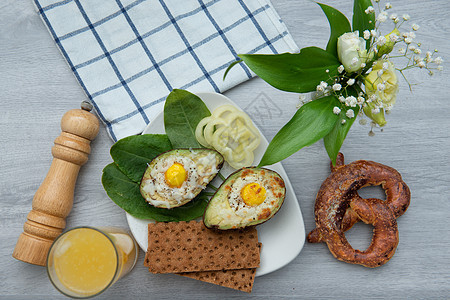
(84, 261)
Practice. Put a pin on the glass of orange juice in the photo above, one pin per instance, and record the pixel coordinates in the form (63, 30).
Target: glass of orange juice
(84, 261)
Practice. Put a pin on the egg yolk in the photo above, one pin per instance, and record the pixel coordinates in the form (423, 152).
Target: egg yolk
(175, 175)
(253, 194)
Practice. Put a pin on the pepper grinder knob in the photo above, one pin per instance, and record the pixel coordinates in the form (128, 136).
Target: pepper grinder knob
(54, 198)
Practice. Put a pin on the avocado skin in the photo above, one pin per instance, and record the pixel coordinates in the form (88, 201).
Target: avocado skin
(222, 195)
(180, 151)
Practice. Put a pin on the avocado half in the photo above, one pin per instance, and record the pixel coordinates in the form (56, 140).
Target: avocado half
(227, 209)
(200, 166)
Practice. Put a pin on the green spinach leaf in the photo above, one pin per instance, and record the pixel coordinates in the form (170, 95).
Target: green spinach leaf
(310, 123)
(339, 25)
(126, 194)
(298, 72)
(182, 112)
(121, 179)
(133, 153)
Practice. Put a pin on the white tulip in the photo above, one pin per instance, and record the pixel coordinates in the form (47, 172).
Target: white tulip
(351, 51)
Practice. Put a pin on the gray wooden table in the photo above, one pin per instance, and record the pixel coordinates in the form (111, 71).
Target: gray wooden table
(37, 88)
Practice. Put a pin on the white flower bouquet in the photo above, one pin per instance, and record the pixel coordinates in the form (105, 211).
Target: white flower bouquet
(354, 76)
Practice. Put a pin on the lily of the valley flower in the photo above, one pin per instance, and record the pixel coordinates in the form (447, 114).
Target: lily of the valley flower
(381, 84)
(351, 51)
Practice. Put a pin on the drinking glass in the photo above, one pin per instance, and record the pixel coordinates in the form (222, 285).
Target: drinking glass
(84, 261)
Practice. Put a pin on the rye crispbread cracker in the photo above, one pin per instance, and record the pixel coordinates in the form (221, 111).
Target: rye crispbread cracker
(241, 280)
(178, 247)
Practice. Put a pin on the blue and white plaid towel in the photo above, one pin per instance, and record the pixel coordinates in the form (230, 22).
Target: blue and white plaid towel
(129, 54)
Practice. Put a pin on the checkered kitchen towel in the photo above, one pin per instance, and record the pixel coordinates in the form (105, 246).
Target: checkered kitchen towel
(129, 54)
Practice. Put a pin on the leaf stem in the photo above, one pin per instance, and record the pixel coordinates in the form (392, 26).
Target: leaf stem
(404, 77)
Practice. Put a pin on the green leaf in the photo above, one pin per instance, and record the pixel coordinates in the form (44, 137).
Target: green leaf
(133, 153)
(310, 123)
(335, 138)
(298, 72)
(121, 179)
(231, 66)
(182, 112)
(339, 25)
(362, 21)
(126, 194)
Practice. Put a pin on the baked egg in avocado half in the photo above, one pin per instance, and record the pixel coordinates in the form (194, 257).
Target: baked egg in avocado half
(176, 177)
(248, 197)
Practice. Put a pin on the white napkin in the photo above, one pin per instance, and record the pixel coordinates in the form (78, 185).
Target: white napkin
(129, 54)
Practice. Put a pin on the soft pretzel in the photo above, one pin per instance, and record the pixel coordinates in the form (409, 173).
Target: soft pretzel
(397, 192)
(338, 206)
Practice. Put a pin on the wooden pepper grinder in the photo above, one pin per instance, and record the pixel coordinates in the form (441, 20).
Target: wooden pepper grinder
(54, 198)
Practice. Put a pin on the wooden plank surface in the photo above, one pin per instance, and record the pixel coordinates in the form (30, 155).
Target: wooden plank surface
(37, 87)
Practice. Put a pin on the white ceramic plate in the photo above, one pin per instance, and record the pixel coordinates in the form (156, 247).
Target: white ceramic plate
(282, 237)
